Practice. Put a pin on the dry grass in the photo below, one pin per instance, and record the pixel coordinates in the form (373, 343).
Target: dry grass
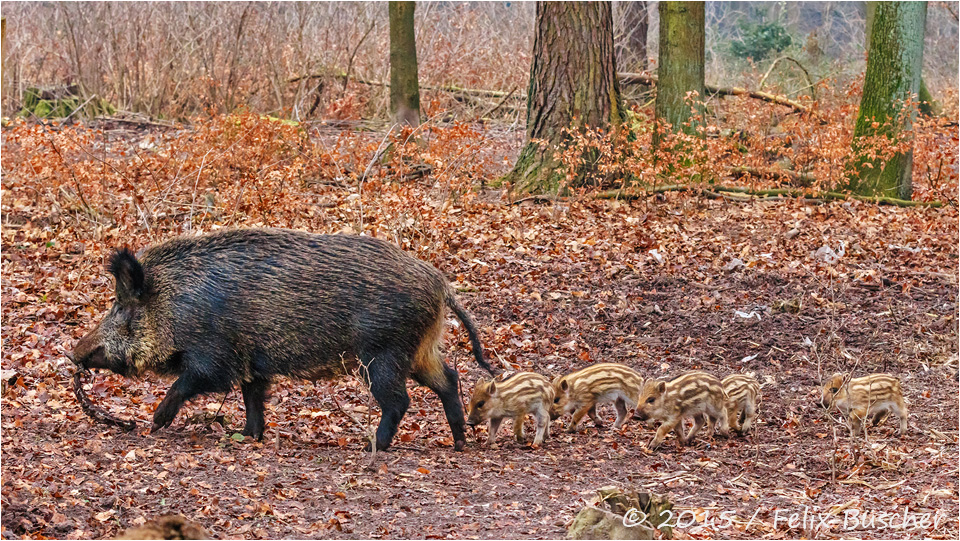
(179, 60)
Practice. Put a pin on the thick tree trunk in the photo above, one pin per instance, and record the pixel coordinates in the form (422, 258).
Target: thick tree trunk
(634, 44)
(892, 78)
(681, 63)
(404, 86)
(573, 84)
(927, 106)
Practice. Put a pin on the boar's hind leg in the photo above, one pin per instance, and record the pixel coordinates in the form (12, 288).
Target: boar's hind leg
(254, 393)
(446, 389)
(388, 386)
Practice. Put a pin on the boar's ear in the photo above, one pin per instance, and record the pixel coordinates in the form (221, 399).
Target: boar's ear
(492, 388)
(129, 274)
(661, 386)
(564, 385)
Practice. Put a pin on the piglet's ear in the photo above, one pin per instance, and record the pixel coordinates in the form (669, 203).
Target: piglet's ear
(129, 274)
(661, 386)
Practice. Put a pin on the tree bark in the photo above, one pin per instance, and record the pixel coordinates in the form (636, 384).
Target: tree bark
(928, 106)
(892, 78)
(636, 23)
(681, 64)
(573, 85)
(404, 85)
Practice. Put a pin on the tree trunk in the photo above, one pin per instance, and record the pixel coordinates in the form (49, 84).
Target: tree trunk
(927, 105)
(892, 78)
(573, 84)
(634, 44)
(404, 86)
(681, 63)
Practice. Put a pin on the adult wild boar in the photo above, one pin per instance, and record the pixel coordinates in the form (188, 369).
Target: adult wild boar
(247, 305)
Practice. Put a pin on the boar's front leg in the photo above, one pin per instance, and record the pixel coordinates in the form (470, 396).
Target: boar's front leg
(254, 394)
(187, 386)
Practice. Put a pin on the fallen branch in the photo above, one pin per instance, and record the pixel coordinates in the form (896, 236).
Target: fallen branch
(442, 88)
(773, 173)
(749, 194)
(806, 74)
(538, 199)
(625, 79)
(500, 104)
(651, 80)
(92, 410)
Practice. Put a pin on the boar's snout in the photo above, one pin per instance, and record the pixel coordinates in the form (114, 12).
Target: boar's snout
(86, 356)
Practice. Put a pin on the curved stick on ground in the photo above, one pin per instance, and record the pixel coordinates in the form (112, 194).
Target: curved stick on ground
(92, 410)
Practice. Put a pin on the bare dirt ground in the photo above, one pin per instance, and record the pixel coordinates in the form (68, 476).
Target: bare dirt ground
(553, 287)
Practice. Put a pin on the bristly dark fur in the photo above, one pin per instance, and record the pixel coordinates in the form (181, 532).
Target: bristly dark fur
(245, 306)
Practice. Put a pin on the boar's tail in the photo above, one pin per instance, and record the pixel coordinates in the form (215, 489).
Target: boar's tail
(464, 317)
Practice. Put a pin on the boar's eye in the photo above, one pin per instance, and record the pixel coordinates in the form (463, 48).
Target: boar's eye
(481, 403)
(651, 400)
(556, 400)
(833, 389)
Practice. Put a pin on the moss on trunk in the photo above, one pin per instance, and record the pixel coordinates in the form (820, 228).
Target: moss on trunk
(404, 85)
(680, 68)
(891, 80)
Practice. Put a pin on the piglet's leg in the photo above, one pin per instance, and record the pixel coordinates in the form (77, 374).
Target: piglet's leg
(577, 417)
(698, 423)
(543, 420)
(857, 417)
(621, 406)
(492, 433)
(749, 416)
(518, 427)
(901, 413)
(597, 421)
(662, 432)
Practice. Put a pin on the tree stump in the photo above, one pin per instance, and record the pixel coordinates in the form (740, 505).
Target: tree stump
(623, 515)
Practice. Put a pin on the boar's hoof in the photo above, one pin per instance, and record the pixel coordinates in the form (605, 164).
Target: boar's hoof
(459, 445)
(380, 447)
(252, 433)
(162, 418)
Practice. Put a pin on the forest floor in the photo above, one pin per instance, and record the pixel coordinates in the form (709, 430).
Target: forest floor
(664, 284)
